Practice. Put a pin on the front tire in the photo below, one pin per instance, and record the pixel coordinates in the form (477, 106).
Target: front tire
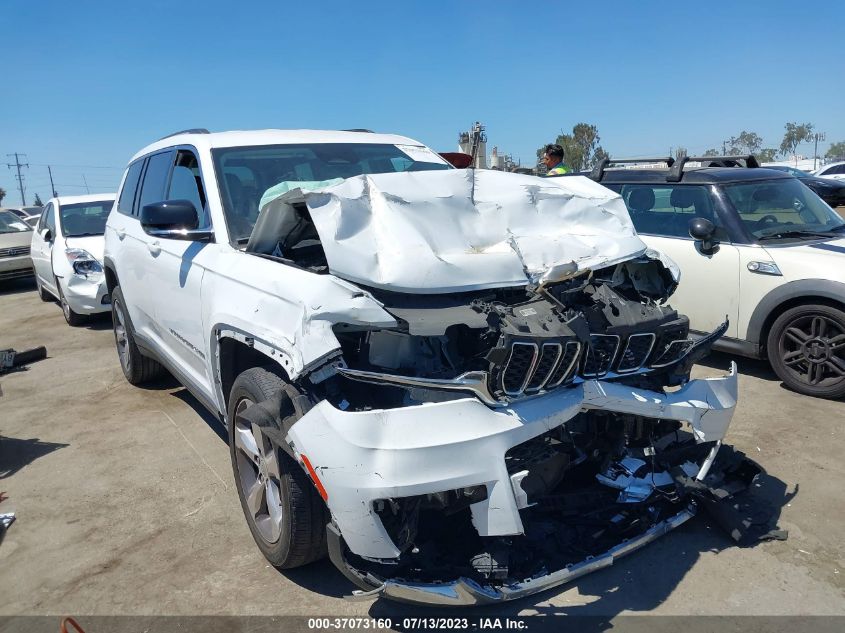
(73, 319)
(285, 514)
(42, 293)
(806, 348)
(136, 367)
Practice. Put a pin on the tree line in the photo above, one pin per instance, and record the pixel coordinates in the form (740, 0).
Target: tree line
(582, 150)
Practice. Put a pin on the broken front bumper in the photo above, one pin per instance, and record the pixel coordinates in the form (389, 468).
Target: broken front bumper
(467, 592)
(86, 294)
(362, 457)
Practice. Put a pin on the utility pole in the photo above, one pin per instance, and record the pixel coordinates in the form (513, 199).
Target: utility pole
(52, 186)
(19, 164)
(86, 184)
(818, 136)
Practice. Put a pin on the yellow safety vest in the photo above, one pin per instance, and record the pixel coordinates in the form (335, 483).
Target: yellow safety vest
(558, 170)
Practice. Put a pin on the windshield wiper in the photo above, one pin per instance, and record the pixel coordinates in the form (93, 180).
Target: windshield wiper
(84, 234)
(793, 233)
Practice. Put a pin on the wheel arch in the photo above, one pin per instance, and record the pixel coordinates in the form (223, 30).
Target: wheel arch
(235, 352)
(111, 275)
(787, 296)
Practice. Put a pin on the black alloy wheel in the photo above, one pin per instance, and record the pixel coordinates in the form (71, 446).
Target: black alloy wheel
(806, 348)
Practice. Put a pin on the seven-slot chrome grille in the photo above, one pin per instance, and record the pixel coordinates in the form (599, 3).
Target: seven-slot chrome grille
(536, 366)
(532, 367)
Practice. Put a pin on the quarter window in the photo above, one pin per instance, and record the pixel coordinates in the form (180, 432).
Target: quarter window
(155, 178)
(186, 184)
(42, 221)
(130, 186)
(50, 219)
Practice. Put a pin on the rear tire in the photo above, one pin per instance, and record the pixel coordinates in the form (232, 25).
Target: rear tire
(285, 514)
(806, 348)
(136, 367)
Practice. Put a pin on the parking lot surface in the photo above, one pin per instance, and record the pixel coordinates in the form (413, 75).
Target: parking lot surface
(126, 505)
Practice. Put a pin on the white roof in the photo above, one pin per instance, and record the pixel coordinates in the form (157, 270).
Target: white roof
(240, 138)
(90, 197)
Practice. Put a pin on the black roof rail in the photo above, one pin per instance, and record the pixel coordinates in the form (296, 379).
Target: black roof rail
(598, 171)
(677, 170)
(359, 129)
(193, 130)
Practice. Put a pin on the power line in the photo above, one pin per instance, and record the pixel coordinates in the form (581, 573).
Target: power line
(69, 165)
(18, 164)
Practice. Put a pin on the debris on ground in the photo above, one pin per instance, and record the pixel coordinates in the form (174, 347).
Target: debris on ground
(11, 359)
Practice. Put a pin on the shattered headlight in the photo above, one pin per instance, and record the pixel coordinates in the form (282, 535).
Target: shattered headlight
(83, 262)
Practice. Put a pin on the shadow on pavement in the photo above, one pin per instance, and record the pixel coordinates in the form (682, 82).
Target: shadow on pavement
(16, 453)
(17, 286)
(213, 423)
(747, 366)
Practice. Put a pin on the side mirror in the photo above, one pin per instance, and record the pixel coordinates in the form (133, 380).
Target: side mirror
(702, 230)
(174, 220)
(47, 235)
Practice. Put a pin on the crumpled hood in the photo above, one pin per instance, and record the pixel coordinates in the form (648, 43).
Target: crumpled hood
(460, 230)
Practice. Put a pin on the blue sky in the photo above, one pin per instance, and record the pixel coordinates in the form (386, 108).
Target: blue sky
(87, 84)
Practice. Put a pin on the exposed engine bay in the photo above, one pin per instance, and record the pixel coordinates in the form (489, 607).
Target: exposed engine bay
(505, 344)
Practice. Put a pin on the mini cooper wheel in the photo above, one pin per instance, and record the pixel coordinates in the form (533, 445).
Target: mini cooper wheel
(806, 348)
(73, 319)
(285, 514)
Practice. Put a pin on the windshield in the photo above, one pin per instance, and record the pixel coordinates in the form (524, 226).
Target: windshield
(85, 218)
(772, 208)
(245, 174)
(10, 223)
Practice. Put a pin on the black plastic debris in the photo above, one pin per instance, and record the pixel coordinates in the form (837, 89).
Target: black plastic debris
(11, 359)
(727, 495)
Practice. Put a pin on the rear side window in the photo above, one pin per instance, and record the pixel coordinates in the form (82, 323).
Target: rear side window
(666, 210)
(155, 178)
(130, 186)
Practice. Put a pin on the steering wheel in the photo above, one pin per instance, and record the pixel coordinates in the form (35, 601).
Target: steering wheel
(768, 219)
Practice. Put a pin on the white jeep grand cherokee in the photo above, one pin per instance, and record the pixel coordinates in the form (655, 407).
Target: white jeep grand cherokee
(451, 381)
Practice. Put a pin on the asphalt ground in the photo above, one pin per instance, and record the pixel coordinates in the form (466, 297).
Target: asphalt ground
(126, 504)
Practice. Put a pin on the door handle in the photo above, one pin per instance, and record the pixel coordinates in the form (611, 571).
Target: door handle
(154, 247)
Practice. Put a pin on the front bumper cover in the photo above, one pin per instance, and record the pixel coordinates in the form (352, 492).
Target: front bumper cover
(364, 456)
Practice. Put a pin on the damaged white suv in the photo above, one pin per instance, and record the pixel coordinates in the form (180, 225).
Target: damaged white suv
(464, 386)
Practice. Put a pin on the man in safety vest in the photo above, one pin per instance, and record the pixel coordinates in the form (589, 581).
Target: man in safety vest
(553, 159)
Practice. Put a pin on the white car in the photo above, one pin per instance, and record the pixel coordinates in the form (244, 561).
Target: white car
(451, 381)
(768, 253)
(835, 171)
(67, 254)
